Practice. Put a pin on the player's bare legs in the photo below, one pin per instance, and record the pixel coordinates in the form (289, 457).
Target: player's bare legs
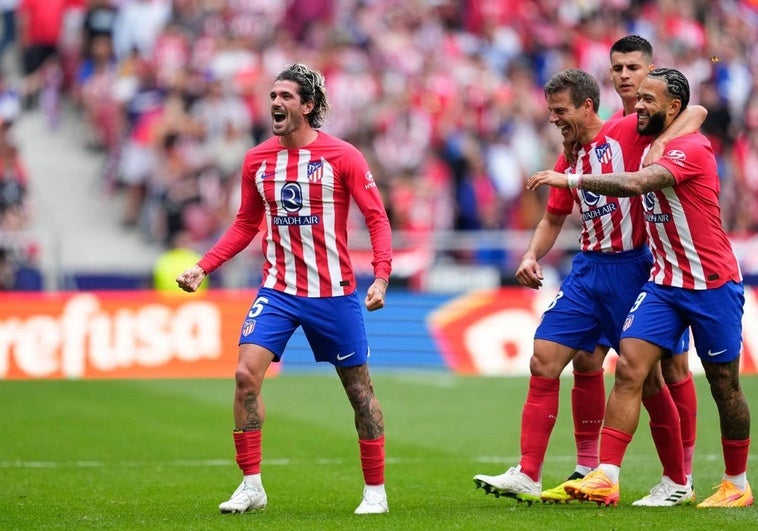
(734, 414)
(734, 418)
(249, 410)
(249, 413)
(369, 423)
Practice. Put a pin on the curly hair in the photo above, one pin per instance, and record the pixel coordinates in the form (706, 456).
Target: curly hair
(311, 88)
(677, 86)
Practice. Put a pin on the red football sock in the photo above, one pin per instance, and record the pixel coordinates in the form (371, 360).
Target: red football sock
(735, 456)
(613, 445)
(588, 406)
(684, 396)
(372, 460)
(248, 446)
(667, 435)
(537, 421)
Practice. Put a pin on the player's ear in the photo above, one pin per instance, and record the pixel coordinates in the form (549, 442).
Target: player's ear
(651, 67)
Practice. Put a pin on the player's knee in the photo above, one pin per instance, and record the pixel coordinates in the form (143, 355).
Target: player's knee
(675, 369)
(587, 362)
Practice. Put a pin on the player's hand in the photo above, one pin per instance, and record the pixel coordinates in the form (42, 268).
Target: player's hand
(191, 279)
(375, 295)
(654, 153)
(547, 178)
(529, 273)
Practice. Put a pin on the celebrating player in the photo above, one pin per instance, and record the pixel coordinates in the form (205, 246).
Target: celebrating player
(301, 181)
(631, 59)
(695, 281)
(591, 302)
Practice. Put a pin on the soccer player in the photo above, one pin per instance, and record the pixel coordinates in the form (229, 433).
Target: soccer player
(631, 59)
(591, 303)
(695, 281)
(301, 182)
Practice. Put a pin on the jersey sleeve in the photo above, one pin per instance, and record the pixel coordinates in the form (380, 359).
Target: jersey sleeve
(685, 158)
(364, 191)
(560, 201)
(243, 229)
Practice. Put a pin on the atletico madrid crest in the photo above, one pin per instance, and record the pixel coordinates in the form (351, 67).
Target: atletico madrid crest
(315, 171)
(603, 153)
(248, 326)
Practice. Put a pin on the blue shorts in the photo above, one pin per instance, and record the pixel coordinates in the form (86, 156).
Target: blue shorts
(594, 299)
(662, 313)
(333, 325)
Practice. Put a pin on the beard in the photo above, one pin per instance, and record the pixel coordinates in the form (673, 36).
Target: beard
(654, 124)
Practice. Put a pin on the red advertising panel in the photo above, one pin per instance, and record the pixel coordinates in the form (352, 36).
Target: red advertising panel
(490, 332)
(120, 334)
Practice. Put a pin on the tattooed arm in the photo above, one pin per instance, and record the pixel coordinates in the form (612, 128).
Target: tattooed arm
(626, 184)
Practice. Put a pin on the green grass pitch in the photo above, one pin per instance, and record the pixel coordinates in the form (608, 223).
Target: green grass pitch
(158, 454)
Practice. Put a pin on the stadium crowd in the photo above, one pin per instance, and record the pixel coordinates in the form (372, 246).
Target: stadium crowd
(444, 97)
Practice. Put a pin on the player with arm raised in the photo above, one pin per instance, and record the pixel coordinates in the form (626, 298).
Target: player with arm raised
(631, 59)
(591, 303)
(695, 281)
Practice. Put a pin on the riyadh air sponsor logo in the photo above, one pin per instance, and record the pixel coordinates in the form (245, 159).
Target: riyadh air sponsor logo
(603, 153)
(604, 210)
(590, 198)
(651, 216)
(676, 156)
(296, 220)
(291, 197)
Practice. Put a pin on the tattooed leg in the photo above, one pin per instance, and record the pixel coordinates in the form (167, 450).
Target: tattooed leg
(249, 410)
(369, 421)
(734, 413)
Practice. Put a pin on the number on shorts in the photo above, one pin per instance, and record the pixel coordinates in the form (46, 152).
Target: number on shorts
(257, 307)
(553, 302)
(639, 300)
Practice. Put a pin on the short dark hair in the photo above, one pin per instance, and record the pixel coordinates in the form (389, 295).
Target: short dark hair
(677, 86)
(633, 43)
(311, 88)
(579, 83)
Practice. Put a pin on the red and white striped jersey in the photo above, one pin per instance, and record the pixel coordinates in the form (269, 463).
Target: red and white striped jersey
(689, 244)
(305, 195)
(609, 224)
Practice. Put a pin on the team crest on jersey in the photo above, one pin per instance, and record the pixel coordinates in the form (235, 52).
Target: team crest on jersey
(628, 322)
(248, 326)
(603, 153)
(315, 171)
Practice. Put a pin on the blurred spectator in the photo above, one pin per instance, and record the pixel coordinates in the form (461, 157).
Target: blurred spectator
(40, 24)
(177, 257)
(746, 171)
(138, 25)
(8, 10)
(99, 21)
(444, 98)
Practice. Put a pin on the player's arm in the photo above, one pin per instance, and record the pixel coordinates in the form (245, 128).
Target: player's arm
(626, 184)
(529, 272)
(688, 121)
